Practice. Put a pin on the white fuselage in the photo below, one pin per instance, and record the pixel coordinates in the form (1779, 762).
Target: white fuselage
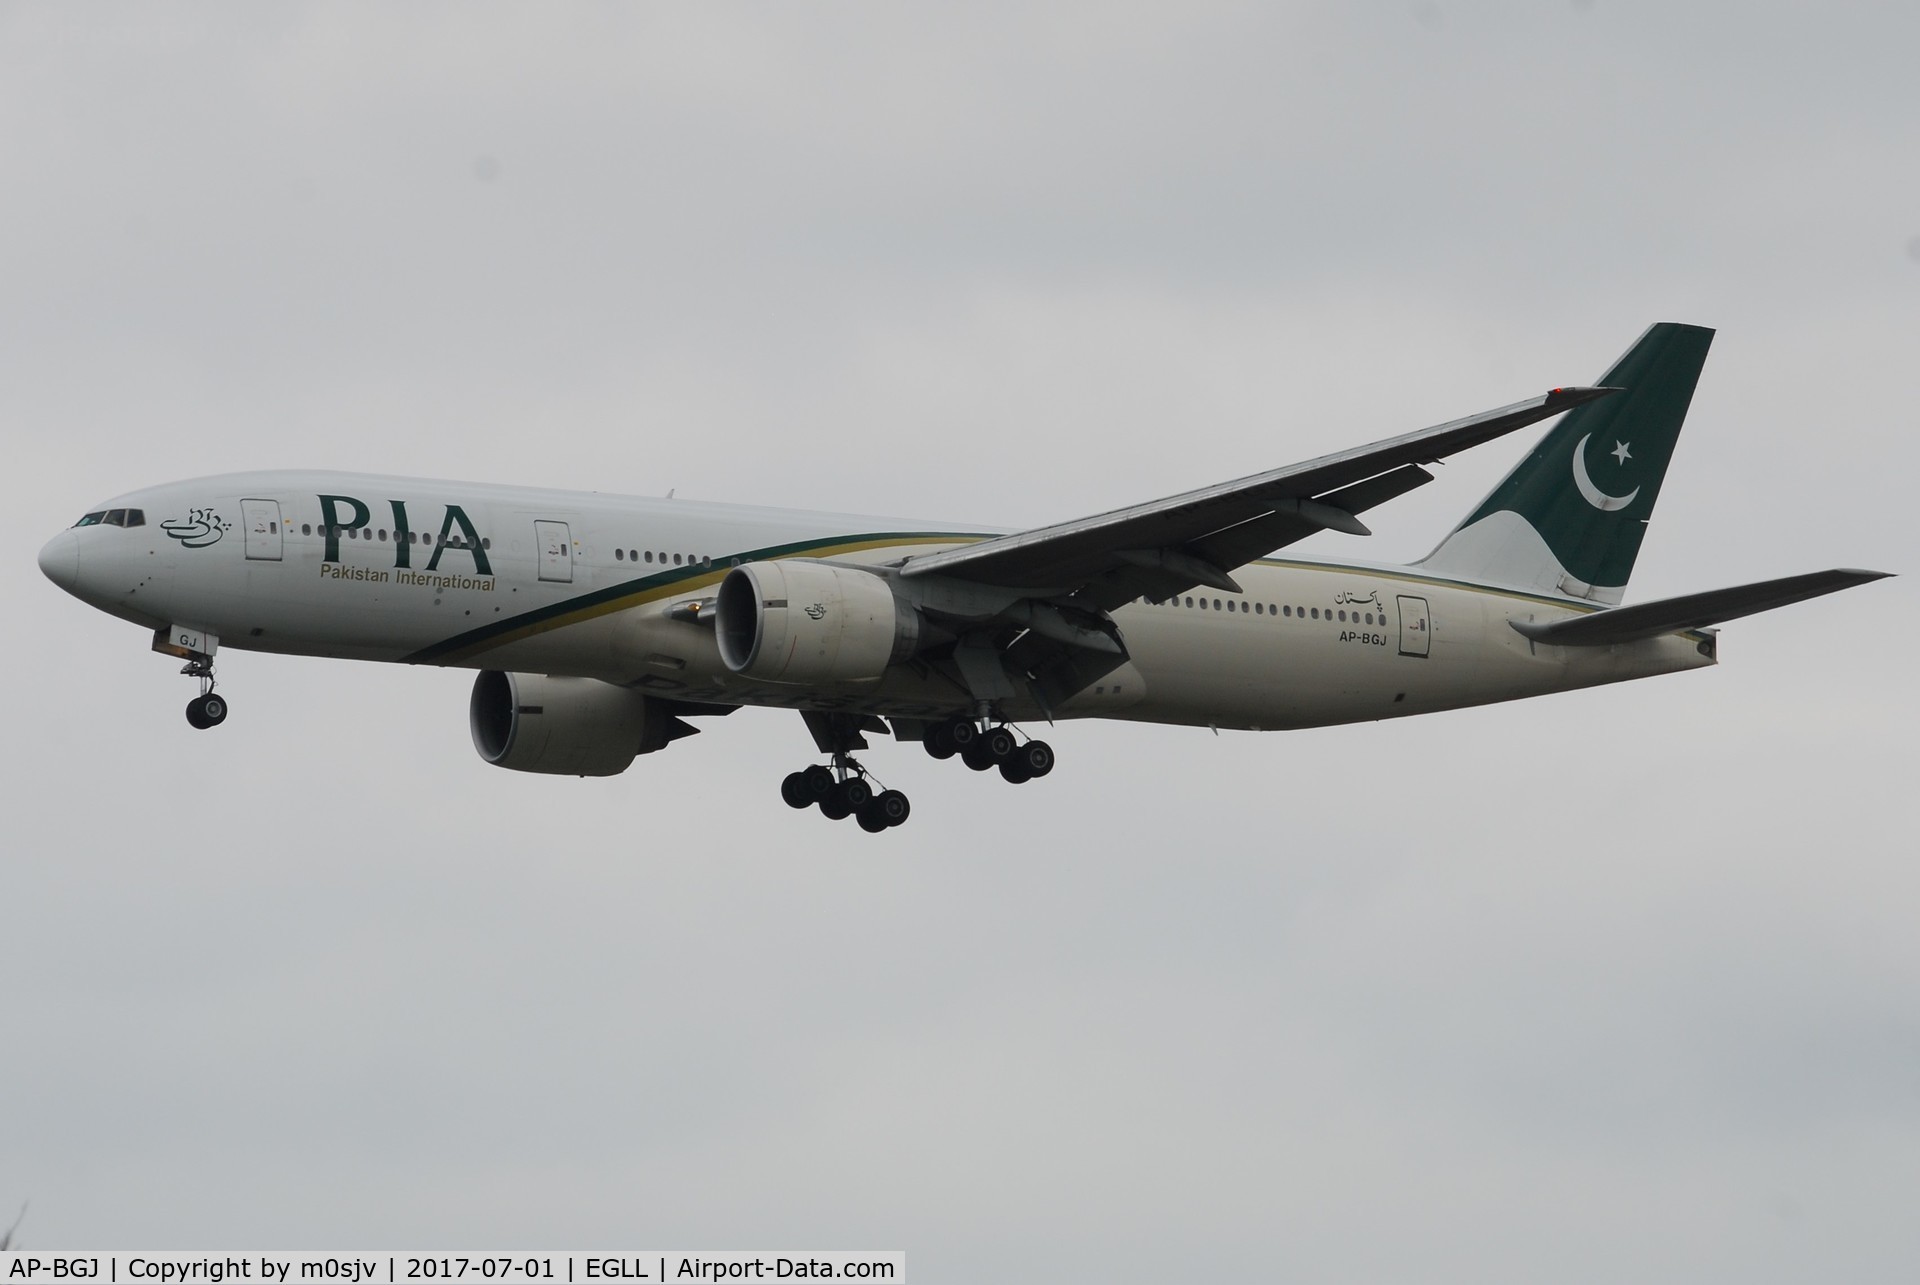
(584, 584)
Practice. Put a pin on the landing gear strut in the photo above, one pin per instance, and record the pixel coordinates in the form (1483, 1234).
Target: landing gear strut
(207, 709)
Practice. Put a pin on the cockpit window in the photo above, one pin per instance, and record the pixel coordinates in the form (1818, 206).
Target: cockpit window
(115, 517)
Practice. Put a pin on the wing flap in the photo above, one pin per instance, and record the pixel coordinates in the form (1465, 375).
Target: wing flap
(1276, 530)
(1691, 611)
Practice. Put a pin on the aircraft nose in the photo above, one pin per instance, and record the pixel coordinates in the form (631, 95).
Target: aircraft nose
(60, 560)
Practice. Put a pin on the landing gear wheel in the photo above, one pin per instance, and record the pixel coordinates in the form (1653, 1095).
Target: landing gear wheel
(870, 819)
(207, 711)
(818, 781)
(1036, 757)
(938, 741)
(1014, 771)
(962, 732)
(977, 756)
(846, 798)
(795, 792)
(1000, 744)
(892, 805)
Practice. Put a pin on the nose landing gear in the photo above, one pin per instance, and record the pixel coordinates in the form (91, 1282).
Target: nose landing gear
(207, 709)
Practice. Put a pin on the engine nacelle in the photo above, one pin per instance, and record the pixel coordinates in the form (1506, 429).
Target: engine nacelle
(565, 726)
(802, 621)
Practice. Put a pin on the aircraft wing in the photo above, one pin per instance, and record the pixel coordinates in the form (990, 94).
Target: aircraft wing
(1198, 537)
(1691, 611)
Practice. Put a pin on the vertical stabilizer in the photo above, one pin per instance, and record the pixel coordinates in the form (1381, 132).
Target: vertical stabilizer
(1569, 519)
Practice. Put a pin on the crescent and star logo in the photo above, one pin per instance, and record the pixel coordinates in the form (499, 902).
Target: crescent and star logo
(1592, 494)
(200, 528)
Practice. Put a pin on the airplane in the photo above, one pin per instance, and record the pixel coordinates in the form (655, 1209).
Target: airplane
(601, 624)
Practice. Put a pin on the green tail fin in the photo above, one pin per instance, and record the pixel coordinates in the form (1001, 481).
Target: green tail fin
(1571, 517)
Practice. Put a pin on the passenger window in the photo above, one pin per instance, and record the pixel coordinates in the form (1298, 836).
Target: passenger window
(676, 559)
(1189, 602)
(1216, 604)
(383, 535)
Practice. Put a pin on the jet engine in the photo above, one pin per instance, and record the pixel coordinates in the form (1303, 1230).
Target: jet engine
(565, 726)
(802, 621)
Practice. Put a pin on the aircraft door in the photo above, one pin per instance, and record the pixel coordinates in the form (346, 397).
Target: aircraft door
(555, 543)
(260, 519)
(1416, 638)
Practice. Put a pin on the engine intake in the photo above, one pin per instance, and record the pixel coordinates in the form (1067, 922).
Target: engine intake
(802, 621)
(565, 726)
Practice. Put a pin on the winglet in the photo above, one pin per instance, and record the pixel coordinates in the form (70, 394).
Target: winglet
(1571, 396)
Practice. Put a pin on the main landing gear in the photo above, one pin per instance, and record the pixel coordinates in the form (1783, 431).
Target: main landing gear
(207, 709)
(843, 791)
(982, 748)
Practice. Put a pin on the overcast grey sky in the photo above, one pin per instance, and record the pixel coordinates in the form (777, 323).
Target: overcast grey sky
(1619, 985)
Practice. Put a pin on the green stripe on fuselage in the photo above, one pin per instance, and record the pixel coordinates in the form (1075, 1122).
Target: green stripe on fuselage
(661, 584)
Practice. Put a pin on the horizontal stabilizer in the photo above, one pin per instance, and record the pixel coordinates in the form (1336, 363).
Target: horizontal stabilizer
(1691, 611)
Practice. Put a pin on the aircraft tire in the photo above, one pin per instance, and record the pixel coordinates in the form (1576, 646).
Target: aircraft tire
(871, 819)
(938, 742)
(834, 806)
(1037, 756)
(195, 718)
(977, 756)
(892, 805)
(818, 782)
(213, 708)
(1013, 770)
(1000, 744)
(795, 792)
(962, 733)
(856, 792)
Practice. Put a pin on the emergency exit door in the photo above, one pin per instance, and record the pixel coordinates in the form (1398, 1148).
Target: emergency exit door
(555, 544)
(1416, 635)
(260, 521)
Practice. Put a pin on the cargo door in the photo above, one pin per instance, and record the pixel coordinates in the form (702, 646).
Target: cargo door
(261, 521)
(555, 544)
